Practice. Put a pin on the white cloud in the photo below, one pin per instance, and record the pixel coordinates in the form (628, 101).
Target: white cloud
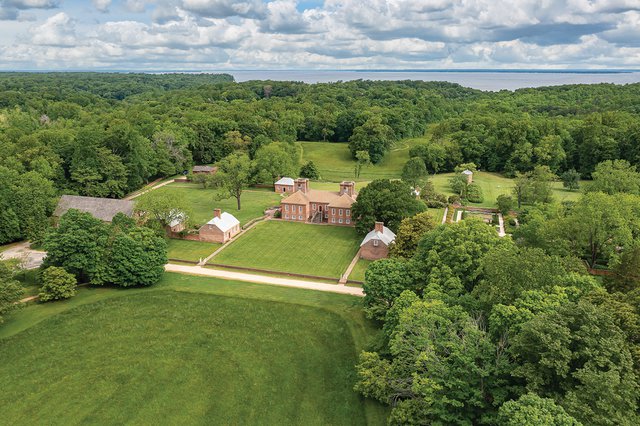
(102, 5)
(205, 34)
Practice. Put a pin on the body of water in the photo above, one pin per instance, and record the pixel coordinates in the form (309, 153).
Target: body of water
(483, 80)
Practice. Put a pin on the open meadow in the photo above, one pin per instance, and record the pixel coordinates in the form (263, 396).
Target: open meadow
(335, 163)
(203, 202)
(320, 250)
(190, 350)
(188, 250)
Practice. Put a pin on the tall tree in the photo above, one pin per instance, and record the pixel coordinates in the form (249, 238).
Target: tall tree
(414, 172)
(386, 201)
(233, 176)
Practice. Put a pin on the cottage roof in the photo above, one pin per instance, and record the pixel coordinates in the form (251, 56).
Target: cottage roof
(100, 208)
(205, 169)
(285, 181)
(386, 236)
(225, 222)
(467, 172)
(178, 218)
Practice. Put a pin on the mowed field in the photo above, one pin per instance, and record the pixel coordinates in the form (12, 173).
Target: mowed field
(493, 185)
(189, 250)
(281, 246)
(203, 202)
(190, 350)
(335, 163)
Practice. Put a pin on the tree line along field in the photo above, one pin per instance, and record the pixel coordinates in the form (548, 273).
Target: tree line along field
(335, 164)
(190, 350)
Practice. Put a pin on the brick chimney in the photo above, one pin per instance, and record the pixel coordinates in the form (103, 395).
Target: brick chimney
(347, 187)
(302, 184)
(379, 227)
(217, 213)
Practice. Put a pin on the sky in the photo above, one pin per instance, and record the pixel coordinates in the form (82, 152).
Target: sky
(203, 35)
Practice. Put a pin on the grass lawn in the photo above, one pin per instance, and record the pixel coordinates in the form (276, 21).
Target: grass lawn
(189, 250)
(493, 185)
(202, 202)
(357, 274)
(190, 350)
(334, 161)
(324, 251)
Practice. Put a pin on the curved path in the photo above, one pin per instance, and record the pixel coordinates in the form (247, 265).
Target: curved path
(263, 279)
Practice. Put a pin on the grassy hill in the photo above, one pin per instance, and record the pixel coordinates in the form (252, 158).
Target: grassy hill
(190, 350)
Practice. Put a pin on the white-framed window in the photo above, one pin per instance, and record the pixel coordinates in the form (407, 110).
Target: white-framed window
(313, 206)
(286, 216)
(340, 220)
(348, 221)
(348, 212)
(299, 209)
(333, 220)
(299, 217)
(286, 207)
(333, 211)
(340, 212)
(375, 243)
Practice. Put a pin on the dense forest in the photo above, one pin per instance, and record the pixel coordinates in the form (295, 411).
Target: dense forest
(108, 134)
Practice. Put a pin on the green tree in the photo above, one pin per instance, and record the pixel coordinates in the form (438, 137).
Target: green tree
(310, 171)
(474, 193)
(571, 179)
(414, 172)
(233, 176)
(132, 256)
(374, 136)
(577, 355)
(440, 360)
(505, 204)
(272, 162)
(613, 177)
(163, 207)
(57, 284)
(362, 159)
(410, 232)
(449, 259)
(76, 244)
(385, 201)
(384, 280)
(625, 270)
(10, 290)
(531, 410)
(433, 155)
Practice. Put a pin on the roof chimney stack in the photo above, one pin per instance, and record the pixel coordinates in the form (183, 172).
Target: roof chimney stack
(379, 227)
(347, 187)
(302, 184)
(217, 213)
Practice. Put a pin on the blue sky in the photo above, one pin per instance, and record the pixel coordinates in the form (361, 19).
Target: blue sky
(313, 34)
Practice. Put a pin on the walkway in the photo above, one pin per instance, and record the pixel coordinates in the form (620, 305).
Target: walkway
(160, 185)
(263, 279)
(31, 259)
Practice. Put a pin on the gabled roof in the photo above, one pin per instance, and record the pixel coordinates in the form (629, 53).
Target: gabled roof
(225, 222)
(100, 208)
(285, 181)
(297, 197)
(343, 201)
(386, 236)
(467, 172)
(179, 217)
(204, 169)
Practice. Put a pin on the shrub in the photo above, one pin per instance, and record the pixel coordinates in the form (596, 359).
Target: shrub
(474, 193)
(454, 199)
(57, 284)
